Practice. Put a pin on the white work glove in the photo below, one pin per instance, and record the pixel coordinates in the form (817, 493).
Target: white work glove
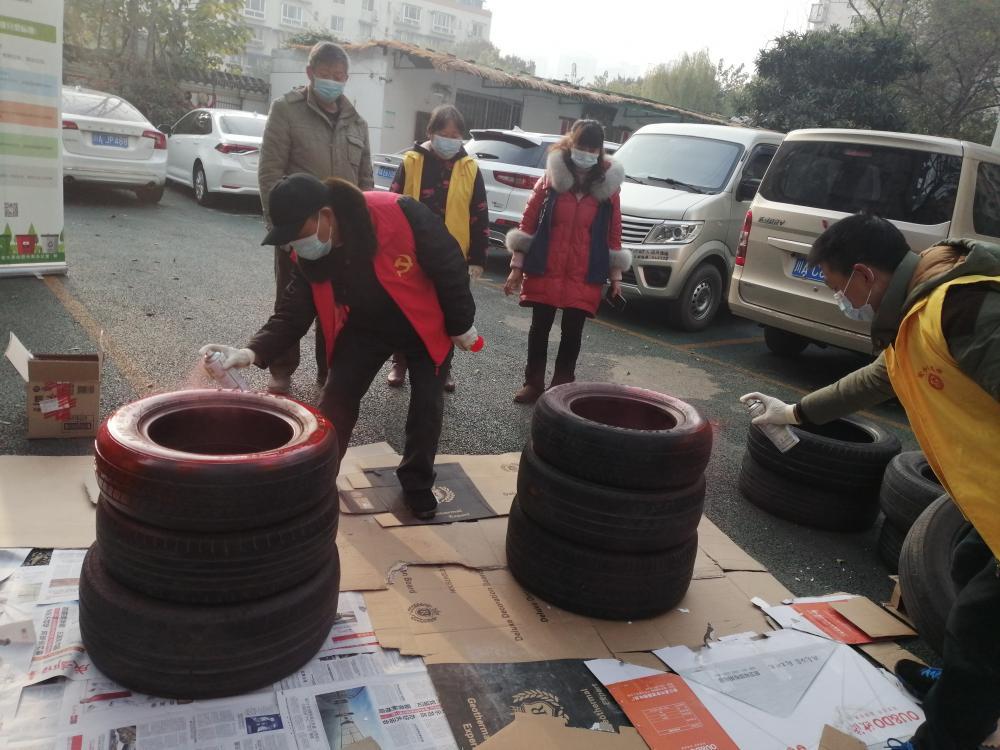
(475, 272)
(776, 411)
(232, 357)
(466, 340)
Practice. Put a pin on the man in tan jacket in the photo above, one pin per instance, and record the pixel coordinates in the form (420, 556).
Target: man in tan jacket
(312, 129)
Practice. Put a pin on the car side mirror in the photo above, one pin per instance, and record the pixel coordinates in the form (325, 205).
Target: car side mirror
(747, 189)
(167, 130)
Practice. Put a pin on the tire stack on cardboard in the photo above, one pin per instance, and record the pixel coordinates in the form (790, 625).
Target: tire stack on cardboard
(908, 487)
(609, 496)
(215, 570)
(829, 480)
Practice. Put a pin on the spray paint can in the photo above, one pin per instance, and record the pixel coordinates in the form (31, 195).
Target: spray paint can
(228, 379)
(779, 434)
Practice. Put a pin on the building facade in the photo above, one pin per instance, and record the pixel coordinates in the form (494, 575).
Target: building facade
(439, 24)
(827, 14)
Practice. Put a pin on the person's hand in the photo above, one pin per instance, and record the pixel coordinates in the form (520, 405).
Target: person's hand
(615, 290)
(513, 283)
(776, 411)
(466, 340)
(231, 356)
(475, 272)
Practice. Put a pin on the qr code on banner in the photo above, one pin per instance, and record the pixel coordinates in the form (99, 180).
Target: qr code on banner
(10, 210)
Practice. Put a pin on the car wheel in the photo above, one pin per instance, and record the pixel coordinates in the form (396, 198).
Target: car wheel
(908, 487)
(596, 583)
(149, 194)
(212, 460)
(201, 193)
(695, 309)
(890, 544)
(784, 343)
(605, 518)
(621, 436)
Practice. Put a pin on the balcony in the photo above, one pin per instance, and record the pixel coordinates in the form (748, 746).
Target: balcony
(407, 21)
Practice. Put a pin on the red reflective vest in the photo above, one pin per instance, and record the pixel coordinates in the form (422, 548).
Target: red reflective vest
(399, 274)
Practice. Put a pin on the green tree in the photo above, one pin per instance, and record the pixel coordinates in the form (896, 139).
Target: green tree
(833, 78)
(484, 52)
(309, 38)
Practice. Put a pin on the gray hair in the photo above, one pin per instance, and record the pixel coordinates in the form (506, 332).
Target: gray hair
(328, 53)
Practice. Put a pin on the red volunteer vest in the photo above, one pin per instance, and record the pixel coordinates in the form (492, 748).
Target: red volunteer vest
(399, 274)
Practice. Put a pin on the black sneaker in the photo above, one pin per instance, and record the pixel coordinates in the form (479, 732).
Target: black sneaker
(916, 677)
(421, 503)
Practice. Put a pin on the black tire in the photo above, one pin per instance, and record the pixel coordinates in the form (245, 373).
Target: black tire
(198, 651)
(806, 504)
(890, 544)
(608, 585)
(212, 460)
(925, 569)
(199, 182)
(605, 518)
(219, 568)
(784, 343)
(908, 487)
(847, 454)
(621, 436)
(699, 301)
(149, 194)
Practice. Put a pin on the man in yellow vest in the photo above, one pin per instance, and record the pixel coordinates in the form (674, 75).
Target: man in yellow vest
(936, 319)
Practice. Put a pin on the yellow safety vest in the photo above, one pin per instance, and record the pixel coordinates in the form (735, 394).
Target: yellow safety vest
(457, 208)
(955, 421)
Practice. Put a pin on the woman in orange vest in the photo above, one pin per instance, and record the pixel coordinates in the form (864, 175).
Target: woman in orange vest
(381, 274)
(442, 176)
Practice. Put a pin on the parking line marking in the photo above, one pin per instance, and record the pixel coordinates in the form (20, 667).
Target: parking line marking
(726, 365)
(133, 374)
(721, 342)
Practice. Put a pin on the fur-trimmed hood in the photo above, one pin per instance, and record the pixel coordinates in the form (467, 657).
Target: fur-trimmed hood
(561, 179)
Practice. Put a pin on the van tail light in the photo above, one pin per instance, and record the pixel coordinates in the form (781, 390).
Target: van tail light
(235, 148)
(159, 139)
(741, 248)
(515, 180)
(70, 125)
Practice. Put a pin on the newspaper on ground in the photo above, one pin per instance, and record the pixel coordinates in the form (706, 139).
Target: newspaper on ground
(37, 717)
(59, 650)
(352, 631)
(62, 583)
(335, 668)
(11, 559)
(17, 646)
(19, 593)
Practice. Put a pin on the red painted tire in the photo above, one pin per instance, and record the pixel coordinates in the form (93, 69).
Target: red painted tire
(212, 460)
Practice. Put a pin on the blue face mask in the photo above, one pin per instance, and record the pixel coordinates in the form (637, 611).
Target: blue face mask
(327, 89)
(446, 148)
(311, 247)
(863, 314)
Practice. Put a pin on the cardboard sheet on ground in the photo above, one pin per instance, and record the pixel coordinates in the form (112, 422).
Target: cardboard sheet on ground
(43, 502)
(778, 692)
(528, 732)
(481, 699)
(845, 618)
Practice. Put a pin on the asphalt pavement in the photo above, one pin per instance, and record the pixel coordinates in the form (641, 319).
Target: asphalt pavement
(160, 281)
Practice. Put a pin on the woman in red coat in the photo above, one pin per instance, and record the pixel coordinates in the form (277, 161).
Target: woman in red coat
(567, 248)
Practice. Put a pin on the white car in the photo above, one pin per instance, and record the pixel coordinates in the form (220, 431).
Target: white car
(384, 168)
(107, 141)
(216, 151)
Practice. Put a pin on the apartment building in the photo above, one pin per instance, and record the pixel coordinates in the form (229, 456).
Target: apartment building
(826, 14)
(438, 24)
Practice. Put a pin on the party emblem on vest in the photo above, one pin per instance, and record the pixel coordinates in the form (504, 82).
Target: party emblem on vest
(933, 377)
(403, 264)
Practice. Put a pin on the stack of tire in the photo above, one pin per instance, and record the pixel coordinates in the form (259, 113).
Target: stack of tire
(908, 488)
(829, 480)
(215, 570)
(610, 492)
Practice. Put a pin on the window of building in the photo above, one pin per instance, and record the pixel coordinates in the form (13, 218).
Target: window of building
(411, 14)
(487, 111)
(337, 23)
(478, 30)
(338, 2)
(368, 5)
(291, 15)
(986, 205)
(367, 30)
(253, 8)
(443, 23)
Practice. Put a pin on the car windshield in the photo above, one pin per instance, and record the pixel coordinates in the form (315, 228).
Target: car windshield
(528, 155)
(918, 187)
(99, 105)
(237, 125)
(679, 161)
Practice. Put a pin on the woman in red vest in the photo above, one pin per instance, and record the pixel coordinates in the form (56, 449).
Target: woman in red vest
(441, 175)
(382, 274)
(566, 249)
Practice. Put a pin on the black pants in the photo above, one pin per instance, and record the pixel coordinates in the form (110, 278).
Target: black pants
(357, 358)
(963, 707)
(286, 363)
(542, 317)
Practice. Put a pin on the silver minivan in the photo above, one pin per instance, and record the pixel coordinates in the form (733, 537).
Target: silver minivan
(687, 189)
(930, 188)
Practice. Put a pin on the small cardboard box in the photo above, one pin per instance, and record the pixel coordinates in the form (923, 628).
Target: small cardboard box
(63, 391)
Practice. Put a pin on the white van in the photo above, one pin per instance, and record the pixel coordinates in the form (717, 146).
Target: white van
(687, 190)
(930, 188)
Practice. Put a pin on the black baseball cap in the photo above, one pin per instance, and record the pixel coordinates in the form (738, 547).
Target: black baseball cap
(293, 200)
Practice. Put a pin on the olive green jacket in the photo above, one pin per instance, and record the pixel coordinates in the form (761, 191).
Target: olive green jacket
(299, 137)
(971, 324)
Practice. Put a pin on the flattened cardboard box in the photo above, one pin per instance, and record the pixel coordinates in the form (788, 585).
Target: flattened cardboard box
(63, 391)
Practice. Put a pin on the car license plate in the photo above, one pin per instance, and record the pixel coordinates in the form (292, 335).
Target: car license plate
(802, 270)
(386, 172)
(109, 139)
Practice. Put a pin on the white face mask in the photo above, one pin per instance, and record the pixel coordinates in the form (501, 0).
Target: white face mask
(311, 248)
(446, 148)
(583, 159)
(863, 314)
